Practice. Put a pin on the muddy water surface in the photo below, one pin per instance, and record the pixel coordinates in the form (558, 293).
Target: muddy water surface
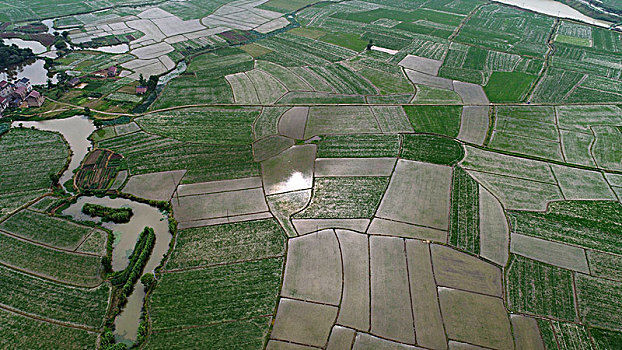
(126, 235)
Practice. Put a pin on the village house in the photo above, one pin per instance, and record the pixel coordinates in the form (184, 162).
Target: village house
(4, 103)
(140, 90)
(74, 82)
(5, 88)
(20, 92)
(25, 83)
(35, 99)
(112, 71)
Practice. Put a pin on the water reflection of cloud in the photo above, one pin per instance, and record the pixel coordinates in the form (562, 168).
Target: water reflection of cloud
(296, 181)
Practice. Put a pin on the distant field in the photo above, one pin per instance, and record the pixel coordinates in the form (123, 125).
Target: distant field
(508, 87)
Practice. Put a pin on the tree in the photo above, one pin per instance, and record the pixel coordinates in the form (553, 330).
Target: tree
(107, 263)
(147, 280)
(54, 178)
(87, 111)
(370, 44)
(153, 82)
(60, 45)
(66, 35)
(141, 80)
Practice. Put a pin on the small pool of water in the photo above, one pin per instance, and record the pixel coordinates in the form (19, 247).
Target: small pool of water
(33, 69)
(121, 48)
(35, 46)
(126, 235)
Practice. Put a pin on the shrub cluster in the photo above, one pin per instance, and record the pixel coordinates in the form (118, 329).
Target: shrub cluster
(116, 215)
(138, 259)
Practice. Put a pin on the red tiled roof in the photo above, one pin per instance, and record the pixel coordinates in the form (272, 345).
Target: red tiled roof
(20, 89)
(34, 94)
(3, 84)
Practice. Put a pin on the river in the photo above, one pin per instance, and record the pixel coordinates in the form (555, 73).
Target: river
(125, 237)
(555, 9)
(76, 131)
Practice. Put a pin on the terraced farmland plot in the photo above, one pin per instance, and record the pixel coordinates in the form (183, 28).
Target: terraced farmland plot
(507, 29)
(225, 293)
(344, 197)
(599, 301)
(267, 122)
(563, 335)
(29, 333)
(443, 120)
(51, 300)
(605, 149)
(540, 289)
(227, 243)
(345, 81)
(243, 334)
(527, 130)
(218, 126)
(46, 229)
(583, 223)
(292, 50)
(358, 146)
(465, 216)
(340, 120)
(581, 118)
(203, 81)
(431, 149)
(25, 174)
(555, 86)
(76, 269)
(148, 154)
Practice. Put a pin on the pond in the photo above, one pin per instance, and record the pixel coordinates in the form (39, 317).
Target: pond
(121, 48)
(33, 69)
(35, 46)
(125, 237)
(76, 130)
(555, 9)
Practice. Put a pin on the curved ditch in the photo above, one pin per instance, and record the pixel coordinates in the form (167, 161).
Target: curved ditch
(76, 131)
(125, 237)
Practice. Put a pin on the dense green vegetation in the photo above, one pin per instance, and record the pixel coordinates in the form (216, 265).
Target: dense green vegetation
(464, 219)
(442, 120)
(45, 229)
(224, 293)
(591, 224)
(540, 289)
(25, 174)
(126, 278)
(10, 55)
(358, 146)
(21, 332)
(53, 300)
(116, 215)
(83, 270)
(431, 149)
(508, 87)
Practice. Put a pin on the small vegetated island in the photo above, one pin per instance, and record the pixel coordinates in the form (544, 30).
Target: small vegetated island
(11, 55)
(116, 215)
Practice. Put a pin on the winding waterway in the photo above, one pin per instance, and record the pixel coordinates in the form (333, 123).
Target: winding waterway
(125, 237)
(76, 131)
